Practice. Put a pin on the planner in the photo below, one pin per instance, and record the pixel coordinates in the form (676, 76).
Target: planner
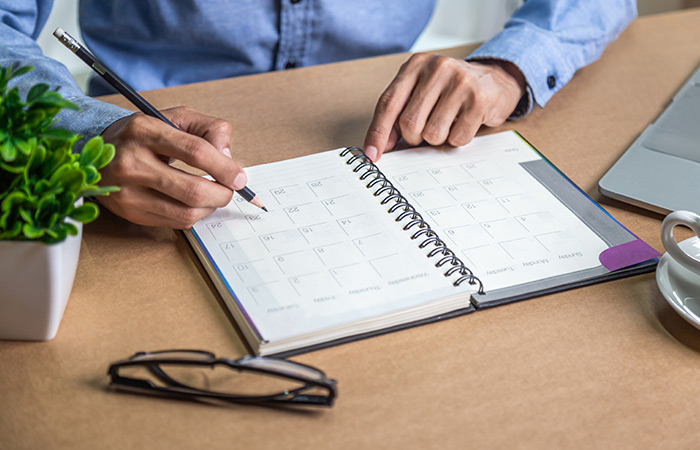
(350, 249)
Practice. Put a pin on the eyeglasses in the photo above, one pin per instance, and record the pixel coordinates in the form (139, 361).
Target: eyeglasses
(201, 375)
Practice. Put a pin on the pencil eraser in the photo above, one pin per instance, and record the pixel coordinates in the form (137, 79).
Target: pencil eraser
(58, 32)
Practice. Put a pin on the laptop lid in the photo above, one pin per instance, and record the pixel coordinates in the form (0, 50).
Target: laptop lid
(661, 169)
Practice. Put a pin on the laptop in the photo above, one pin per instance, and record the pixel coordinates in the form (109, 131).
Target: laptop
(661, 170)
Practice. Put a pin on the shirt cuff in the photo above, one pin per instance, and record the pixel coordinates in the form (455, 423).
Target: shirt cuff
(92, 119)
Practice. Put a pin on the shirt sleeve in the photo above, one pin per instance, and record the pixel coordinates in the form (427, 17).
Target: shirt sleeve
(20, 25)
(549, 40)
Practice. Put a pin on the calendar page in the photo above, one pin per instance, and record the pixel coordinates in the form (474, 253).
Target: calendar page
(503, 223)
(326, 253)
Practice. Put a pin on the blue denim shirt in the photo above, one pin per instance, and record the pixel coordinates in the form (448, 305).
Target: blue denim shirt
(159, 43)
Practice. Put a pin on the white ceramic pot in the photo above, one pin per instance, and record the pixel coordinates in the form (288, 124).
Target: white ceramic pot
(35, 282)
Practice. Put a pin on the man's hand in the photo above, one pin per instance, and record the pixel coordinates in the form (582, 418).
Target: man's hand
(156, 194)
(441, 100)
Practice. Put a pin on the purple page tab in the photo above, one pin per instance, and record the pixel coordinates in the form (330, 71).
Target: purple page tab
(627, 254)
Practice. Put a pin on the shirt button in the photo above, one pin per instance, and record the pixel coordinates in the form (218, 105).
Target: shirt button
(290, 64)
(551, 81)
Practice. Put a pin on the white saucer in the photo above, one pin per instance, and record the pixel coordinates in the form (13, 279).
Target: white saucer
(680, 286)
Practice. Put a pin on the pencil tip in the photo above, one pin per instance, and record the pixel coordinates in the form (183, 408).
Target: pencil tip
(256, 201)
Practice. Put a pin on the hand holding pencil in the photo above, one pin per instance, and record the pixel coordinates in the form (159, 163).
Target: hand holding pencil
(158, 194)
(153, 192)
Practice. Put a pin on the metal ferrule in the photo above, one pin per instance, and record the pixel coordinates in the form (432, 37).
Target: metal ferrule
(69, 42)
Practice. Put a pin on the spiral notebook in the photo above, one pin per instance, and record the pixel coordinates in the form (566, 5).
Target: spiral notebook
(350, 249)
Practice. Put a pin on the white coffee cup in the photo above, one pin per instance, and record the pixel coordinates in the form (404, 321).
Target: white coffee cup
(690, 220)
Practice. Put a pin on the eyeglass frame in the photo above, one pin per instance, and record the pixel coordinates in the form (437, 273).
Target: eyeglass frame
(174, 388)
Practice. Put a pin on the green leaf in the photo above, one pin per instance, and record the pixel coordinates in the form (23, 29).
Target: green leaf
(3, 78)
(44, 189)
(13, 199)
(46, 208)
(33, 120)
(54, 160)
(26, 216)
(32, 232)
(91, 151)
(107, 155)
(22, 145)
(20, 71)
(58, 134)
(53, 98)
(38, 158)
(93, 191)
(92, 176)
(71, 178)
(10, 208)
(53, 236)
(66, 200)
(85, 213)
(12, 232)
(53, 218)
(12, 100)
(70, 228)
(10, 168)
(8, 151)
(36, 91)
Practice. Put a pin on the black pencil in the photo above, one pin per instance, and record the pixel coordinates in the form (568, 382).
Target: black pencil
(127, 91)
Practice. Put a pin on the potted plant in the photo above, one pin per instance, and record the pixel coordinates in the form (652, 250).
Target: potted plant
(42, 186)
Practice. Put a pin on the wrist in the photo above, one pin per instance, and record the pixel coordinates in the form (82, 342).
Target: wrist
(514, 80)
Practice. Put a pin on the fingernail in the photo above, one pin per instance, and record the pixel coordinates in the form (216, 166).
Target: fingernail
(371, 152)
(240, 181)
(226, 151)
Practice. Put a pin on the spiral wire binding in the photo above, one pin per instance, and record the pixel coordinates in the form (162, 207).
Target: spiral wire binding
(410, 217)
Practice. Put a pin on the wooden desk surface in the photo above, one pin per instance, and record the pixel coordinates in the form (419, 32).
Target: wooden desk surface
(606, 366)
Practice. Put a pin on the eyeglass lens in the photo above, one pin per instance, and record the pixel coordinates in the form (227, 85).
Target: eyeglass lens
(220, 379)
(282, 366)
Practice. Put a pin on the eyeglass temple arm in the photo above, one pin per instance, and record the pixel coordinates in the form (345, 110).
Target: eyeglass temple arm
(134, 383)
